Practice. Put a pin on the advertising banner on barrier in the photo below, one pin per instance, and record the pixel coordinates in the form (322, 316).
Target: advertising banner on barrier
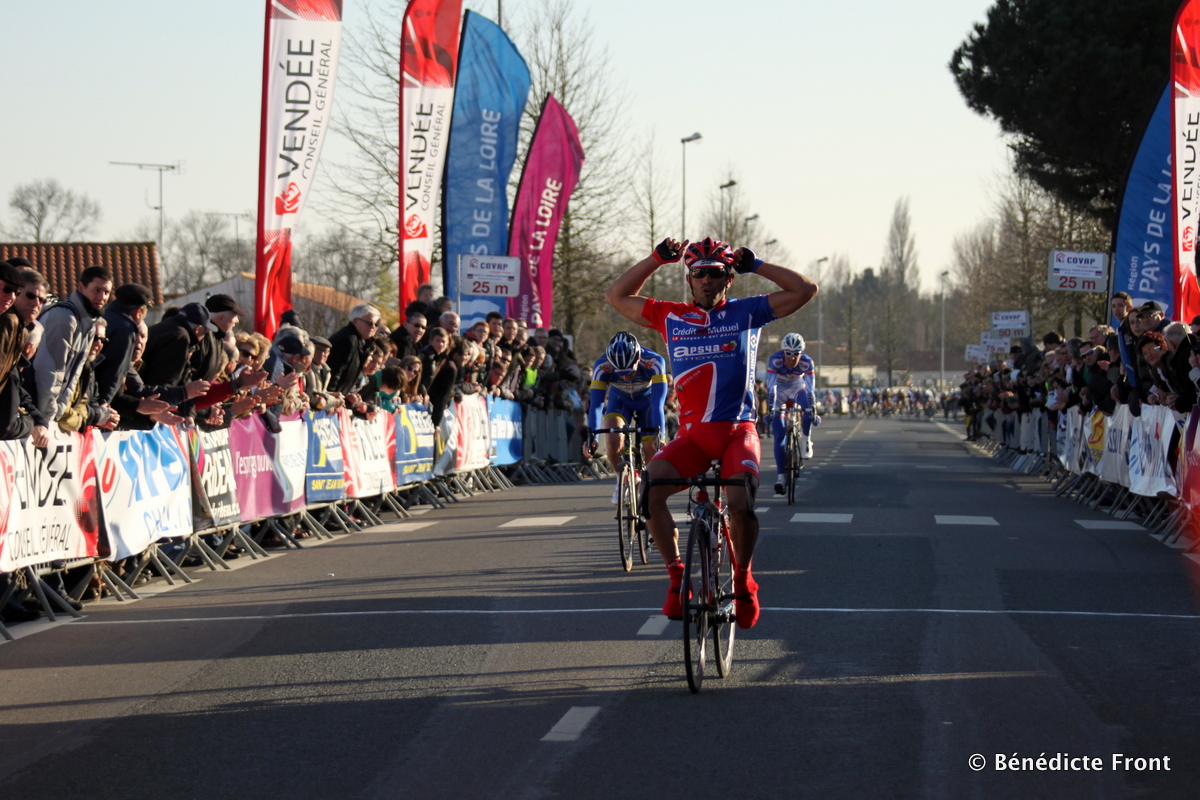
(253, 467)
(506, 423)
(369, 451)
(1189, 461)
(325, 478)
(49, 509)
(145, 487)
(1094, 429)
(1114, 466)
(474, 433)
(414, 444)
(1062, 439)
(1150, 438)
(214, 496)
(291, 463)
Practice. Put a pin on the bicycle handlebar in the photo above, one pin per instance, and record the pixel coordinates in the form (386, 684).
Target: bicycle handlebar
(599, 431)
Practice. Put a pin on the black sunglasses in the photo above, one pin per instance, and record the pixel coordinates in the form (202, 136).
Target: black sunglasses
(708, 272)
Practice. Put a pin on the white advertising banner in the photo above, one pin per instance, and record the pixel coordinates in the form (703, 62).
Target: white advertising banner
(145, 485)
(291, 461)
(1150, 438)
(474, 433)
(368, 450)
(1114, 466)
(48, 504)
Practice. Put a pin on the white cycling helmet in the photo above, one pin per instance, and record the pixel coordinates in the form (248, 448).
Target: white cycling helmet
(793, 343)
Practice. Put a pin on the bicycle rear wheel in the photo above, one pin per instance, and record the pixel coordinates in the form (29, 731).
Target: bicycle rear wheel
(723, 627)
(695, 609)
(626, 515)
(794, 463)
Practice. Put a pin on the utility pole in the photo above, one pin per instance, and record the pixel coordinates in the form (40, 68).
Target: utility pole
(683, 204)
(162, 214)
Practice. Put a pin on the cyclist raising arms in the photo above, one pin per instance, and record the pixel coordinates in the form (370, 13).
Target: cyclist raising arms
(712, 343)
(789, 380)
(635, 382)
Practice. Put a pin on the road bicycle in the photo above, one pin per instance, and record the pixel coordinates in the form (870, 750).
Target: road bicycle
(706, 593)
(793, 450)
(631, 525)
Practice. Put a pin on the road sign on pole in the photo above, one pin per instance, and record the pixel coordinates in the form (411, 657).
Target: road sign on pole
(1078, 272)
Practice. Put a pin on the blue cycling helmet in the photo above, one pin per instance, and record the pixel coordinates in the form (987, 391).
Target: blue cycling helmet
(623, 351)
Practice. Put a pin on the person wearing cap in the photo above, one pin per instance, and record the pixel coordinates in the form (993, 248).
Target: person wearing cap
(66, 340)
(285, 367)
(123, 315)
(316, 380)
(223, 316)
(170, 345)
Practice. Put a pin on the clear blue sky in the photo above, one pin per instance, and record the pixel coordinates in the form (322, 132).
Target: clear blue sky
(826, 112)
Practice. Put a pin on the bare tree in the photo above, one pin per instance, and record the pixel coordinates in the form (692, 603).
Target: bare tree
(651, 207)
(898, 273)
(559, 45)
(45, 211)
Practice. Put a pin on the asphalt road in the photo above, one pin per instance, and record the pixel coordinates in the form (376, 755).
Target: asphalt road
(961, 610)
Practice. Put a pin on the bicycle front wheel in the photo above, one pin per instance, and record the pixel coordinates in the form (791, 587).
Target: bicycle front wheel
(626, 515)
(695, 608)
(723, 627)
(794, 462)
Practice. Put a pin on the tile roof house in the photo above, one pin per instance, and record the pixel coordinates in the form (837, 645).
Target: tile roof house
(322, 309)
(61, 262)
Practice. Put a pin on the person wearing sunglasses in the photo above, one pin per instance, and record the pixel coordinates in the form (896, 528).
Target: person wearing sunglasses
(712, 344)
(790, 375)
(348, 348)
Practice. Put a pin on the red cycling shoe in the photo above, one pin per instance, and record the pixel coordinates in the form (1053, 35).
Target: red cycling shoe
(673, 607)
(745, 598)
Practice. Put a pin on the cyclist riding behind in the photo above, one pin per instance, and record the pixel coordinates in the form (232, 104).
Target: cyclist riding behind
(634, 380)
(712, 344)
(790, 382)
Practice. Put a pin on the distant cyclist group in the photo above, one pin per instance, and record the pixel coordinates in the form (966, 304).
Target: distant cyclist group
(712, 345)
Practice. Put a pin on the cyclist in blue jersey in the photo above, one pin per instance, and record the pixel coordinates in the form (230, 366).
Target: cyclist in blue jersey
(790, 374)
(712, 344)
(629, 387)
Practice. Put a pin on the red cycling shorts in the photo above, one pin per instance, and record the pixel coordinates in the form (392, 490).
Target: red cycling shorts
(698, 444)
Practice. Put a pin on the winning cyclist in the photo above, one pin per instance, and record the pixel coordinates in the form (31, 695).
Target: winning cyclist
(790, 381)
(635, 382)
(712, 343)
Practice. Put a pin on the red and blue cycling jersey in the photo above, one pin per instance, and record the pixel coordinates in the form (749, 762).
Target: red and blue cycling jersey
(785, 383)
(712, 355)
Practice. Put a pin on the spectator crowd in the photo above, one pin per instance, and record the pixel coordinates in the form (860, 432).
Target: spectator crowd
(91, 359)
(1147, 359)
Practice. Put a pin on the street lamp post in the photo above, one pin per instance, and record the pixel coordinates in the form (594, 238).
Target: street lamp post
(820, 318)
(725, 225)
(683, 203)
(943, 378)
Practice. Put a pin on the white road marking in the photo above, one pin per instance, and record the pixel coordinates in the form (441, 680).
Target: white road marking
(1108, 525)
(931, 466)
(572, 724)
(401, 527)
(840, 518)
(858, 466)
(416, 511)
(536, 522)
(88, 622)
(654, 626)
(955, 519)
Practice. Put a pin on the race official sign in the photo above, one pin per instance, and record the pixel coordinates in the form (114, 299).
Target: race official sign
(489, 276)
(1078, 272)
(1009, 319)
(976, 352)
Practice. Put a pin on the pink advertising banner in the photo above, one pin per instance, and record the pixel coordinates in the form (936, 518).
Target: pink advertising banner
(253, 467)
(551, 172)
